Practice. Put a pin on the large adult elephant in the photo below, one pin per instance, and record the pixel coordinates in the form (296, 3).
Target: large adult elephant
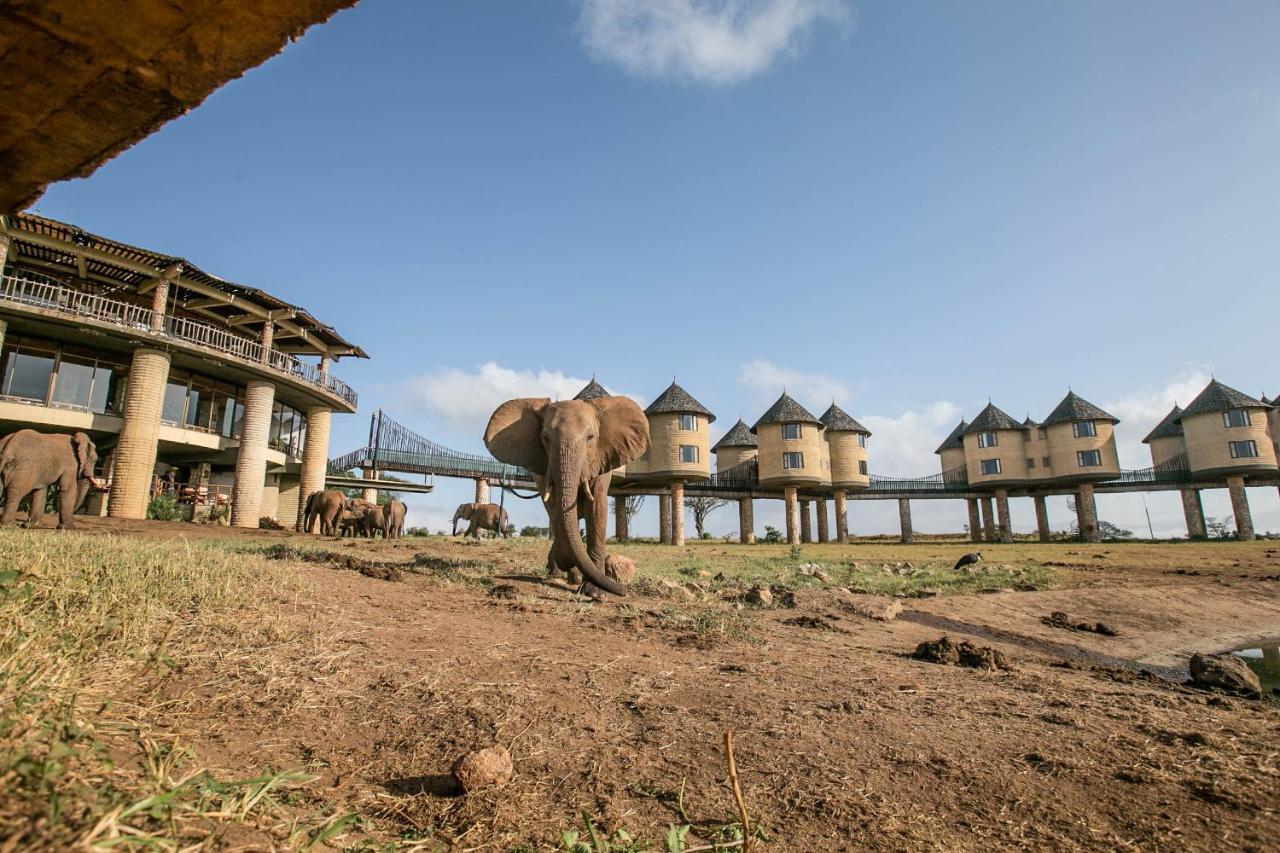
(482, 516)
(571, 447)
(31, 462)
(326, 507)
(393, 519)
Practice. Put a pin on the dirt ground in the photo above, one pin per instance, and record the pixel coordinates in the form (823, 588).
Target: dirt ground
(617, 709)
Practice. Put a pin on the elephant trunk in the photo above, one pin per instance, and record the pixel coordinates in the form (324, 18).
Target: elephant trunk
(82, 491)
(568, 481)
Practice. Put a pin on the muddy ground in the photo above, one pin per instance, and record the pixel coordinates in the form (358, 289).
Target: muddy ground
(843, 741)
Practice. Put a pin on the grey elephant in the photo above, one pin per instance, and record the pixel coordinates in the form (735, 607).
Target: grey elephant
(571, 447)
(393, 519)
(481, 516)
(326, 507)
(374, 519)
(31, 462)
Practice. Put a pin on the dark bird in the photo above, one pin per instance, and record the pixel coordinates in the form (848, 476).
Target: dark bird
(968, 560)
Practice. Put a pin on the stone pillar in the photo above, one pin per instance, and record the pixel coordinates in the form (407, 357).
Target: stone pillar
(1042, 518)
(806, 523)
(4, 328)
(135, 456)
(677, 513)
(746, 521)
(1193, 511)
(4, 251)
(251, 461)
(904, 518)
(791, 507)
(268, 336)
(975, 524)
(269, 507)
(315, 458)
(324, 365)
(369, 494)
(1087, 514)
(159, 296)
(620, 521)
(988, 520)
(289, 505)
(482, 491)
(664, 518)
(1240, 506)
(842, 518)
(1002, 514)
(824, 535)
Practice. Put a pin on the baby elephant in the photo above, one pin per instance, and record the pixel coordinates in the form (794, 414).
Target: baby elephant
(481, 517)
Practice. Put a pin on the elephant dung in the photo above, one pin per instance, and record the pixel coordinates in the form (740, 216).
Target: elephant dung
(620, 568)
(483, 768)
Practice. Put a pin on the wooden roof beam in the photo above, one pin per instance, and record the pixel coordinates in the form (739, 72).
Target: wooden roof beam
(169, 274)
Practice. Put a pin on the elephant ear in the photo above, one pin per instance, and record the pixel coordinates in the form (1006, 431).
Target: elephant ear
(85, 454)
(514, 434)
(624, 432)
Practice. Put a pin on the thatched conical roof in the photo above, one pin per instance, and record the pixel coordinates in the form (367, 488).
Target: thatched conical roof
(738, 436)
(786, 411)
(1167, 428)
(992, 418)
(955, 441)
(836, 419)
(1075, 408)
(677, 400)
(1217, 397)
(593, 390)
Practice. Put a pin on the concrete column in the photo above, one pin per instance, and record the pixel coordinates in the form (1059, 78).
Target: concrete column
(746, 521)
(1193, 511)
(988, 520)
(289, 505)
(842, 518)
(135, 456)
(1087, 514)
(159, 298)
(975, 523)
(315, 458)
(482, 491)
(806, 523)
(664, 518)
(621, 523)
(1240, 506)
(251, 461)
(4, 328)
(824, 535)
(1002, 514)
(904, 518)
(1042, 518)
(324, 365)
(791, 507)
(369, 494)
(268, 336)
(677, 513)
(270, 505)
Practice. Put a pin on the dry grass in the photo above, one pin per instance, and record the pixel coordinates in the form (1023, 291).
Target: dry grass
(91, 630)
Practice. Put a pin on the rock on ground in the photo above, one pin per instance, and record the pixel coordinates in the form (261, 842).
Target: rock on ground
(620, 568)
(1224, 672)
(483, 768)
(760, 596)
(877, 607)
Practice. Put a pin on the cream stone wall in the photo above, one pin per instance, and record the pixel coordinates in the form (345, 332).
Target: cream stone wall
(289, 504)
(1010, 449)
(1273, 426)
(846, 457)
(1164, 449)
(1036, 449)
(951, 459)
(772, 446)
(732, 457)
(1207, 443)
(270, 506)
(665, 440)
(1063, 446)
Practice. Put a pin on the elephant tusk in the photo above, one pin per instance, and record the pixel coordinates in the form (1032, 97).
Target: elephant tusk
(586, 487)
(100, 485)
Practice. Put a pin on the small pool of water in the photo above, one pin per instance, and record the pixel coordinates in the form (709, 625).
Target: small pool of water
(1265, 661)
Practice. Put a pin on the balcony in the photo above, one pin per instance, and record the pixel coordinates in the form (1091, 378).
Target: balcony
(62, 300)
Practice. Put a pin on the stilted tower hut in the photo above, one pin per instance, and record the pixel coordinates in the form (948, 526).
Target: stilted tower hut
(1167, 443)
(678, 450)
(791, 455)
(738, 447)
(846, 442)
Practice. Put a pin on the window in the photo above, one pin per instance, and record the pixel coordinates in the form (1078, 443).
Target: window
(862, 440)
(1243, 449)
(793, 460)
(688, 453)
(1044, 461)
(1235, 418)
(28, 369)
(1089, 458)
(1031, 464)
(689, 423)
(1044, 433)
(987, 439)
(200, 405)
(288, 429)
(1084, 429)
(174, 409)
(791, 432)
(862, 467)
(74, 383)
(989, 467)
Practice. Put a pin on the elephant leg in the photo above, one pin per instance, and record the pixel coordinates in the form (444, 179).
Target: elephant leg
(14, 492)
(38, 498)
(66, 505)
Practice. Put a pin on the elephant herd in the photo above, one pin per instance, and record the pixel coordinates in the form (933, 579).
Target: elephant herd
(339, 515)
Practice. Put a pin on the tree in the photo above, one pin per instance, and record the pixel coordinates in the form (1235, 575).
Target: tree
(1220, 528)
(701, 508)
(384, 495)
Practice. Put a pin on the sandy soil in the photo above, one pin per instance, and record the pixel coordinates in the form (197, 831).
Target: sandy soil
(843, 741)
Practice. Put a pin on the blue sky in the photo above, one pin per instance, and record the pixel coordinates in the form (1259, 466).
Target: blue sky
(911, 207)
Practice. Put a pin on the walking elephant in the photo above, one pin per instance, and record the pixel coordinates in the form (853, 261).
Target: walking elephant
(393, 519)
(31, 462)
(571, 447)
(481, 516)
(326, 507)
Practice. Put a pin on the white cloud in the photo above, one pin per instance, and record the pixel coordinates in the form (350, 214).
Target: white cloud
(769, 380)
(1141, 411)
(719, 42)
(903, 446)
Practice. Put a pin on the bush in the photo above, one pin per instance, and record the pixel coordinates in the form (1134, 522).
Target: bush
(164, 508)
(530, 530)
(771, 536)
(417, 531)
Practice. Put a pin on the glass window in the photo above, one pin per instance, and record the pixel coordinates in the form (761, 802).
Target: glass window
(175, 398)
(237, 419)
(1089, 458)
(862, 466)
(1084, 429)
(224, 407)
(73, 386)
(688, 423)
(1044, 461)
(688, 453)
(862, 440)
(987, 439)
(793, 460)
(1235, 418)
(1243, 449)
(28, 369)
(1031, 464)
(108, 388)
(791, 432)
(277, 426)
(990, 466)
(200, 404)
(1044, 432)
